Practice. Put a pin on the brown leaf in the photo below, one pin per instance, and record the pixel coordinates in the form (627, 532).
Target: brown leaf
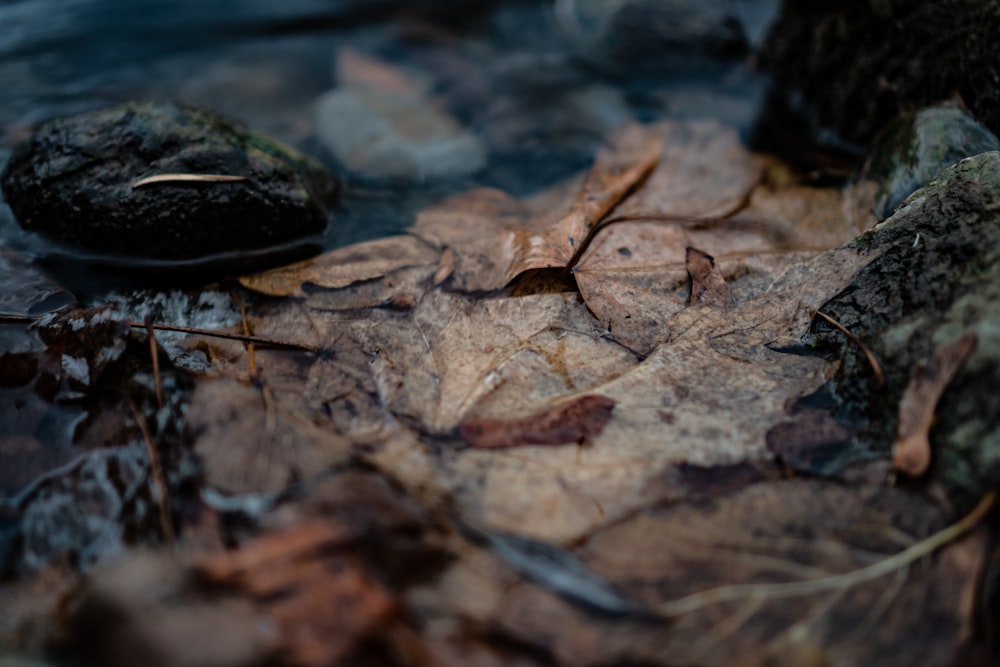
(704, 171)
(490, 255)
(911, 454)
(577, 420)
(344, 266)
(708, 287)
(632, 154)
(259, 439)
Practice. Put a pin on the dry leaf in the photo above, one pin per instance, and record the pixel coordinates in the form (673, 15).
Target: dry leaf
(343, 267)
(259, 439)
(704, 172)
(708, 287)
(911, 454)
(510, 243)
(573, 421)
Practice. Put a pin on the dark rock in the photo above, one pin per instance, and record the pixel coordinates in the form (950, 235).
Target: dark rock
(937, 277)
(916, 147)
(854, 65)
(72, 181)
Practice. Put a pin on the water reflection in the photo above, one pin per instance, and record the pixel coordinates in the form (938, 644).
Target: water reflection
(539, 83)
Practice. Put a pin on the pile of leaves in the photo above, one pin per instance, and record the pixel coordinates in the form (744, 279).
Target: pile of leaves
(546, 430)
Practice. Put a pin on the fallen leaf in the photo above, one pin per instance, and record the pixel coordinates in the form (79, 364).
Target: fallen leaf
(343, 267)
(258, 439)
(573, 421)
(704, 172)
(502, 251)
(911, 453)
(708, 287)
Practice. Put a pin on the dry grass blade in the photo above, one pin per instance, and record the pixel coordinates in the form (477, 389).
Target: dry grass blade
(869, 355)
(159, 481)
(836, 582)
(164, 179)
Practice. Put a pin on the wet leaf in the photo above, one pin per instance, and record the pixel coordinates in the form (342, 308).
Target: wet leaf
(27, 289)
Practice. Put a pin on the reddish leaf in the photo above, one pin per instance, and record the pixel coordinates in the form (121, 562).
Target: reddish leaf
(576, 420)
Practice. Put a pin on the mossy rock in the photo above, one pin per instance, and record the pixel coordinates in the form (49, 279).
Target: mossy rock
(915, 147)
(937, 277)
(72, 182)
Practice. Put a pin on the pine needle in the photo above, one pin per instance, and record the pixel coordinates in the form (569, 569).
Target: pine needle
(188, 178)
(872, 359)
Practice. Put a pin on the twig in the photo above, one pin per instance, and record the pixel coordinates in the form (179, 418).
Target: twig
(251, 352)
(153, 353)
(159, 481)
(846, 580)
(229, 336)
(872, 359)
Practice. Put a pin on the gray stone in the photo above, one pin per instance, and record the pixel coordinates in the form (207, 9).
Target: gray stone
(384, 135)
(73, 180)
(916, 147)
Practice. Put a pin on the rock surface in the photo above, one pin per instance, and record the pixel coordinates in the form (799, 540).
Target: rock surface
(73, 181)
(916, 147)
(937, 278)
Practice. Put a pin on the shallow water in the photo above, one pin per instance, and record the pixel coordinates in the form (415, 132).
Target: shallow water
(539, 84)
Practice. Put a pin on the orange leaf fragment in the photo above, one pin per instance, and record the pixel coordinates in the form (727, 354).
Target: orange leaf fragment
(574, 421)
(911, 454)
(316, 593)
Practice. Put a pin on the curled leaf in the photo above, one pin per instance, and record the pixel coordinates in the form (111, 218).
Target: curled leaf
(912, 452)
(708, 287)
(577, 420)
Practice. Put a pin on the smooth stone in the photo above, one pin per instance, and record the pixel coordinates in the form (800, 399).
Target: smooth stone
(72, 181)
(914, 148)
(379, 134)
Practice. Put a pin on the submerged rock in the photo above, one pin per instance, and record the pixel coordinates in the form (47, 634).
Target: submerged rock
(937, 278)
(916, 147)
(652, 36)
(74, 181)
